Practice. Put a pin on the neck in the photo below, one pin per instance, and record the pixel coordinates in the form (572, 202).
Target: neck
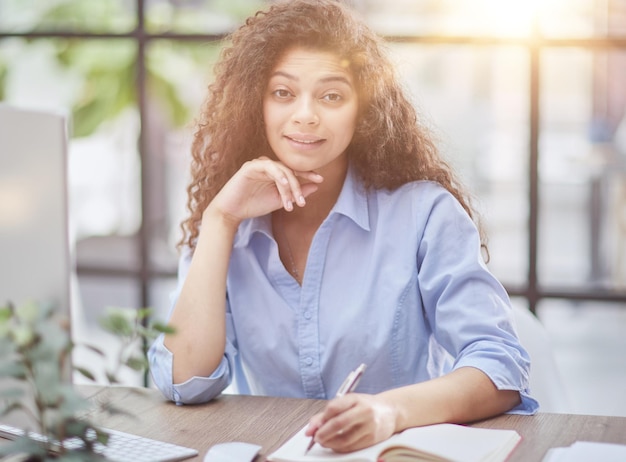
(294, 230)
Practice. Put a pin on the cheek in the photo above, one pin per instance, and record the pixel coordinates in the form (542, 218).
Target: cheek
(268, 110)
(272, 117)
(266, 115)
(268, 124)
(348, 125)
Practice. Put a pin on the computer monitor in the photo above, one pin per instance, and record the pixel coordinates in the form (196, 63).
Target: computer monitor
(34, 232)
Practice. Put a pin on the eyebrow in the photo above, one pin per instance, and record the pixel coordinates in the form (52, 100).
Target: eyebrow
(332, 78)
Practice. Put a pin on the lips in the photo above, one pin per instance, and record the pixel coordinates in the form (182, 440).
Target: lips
(304, 139)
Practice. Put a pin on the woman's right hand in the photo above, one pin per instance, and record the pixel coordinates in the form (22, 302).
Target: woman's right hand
(261, 186)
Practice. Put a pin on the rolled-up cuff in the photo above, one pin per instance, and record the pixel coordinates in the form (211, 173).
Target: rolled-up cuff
(193, 391)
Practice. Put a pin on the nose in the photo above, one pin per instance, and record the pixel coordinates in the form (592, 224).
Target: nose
(305, 112)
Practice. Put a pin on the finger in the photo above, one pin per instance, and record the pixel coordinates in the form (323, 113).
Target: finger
(301, 185)
(346, 437)
(308, 189)
(314, 424)
(304, 185)
(356, 435)
(297, 195)
(349, 442)
(340, 417)
(292, 186)
(284, 179)
(286, 193)
(309, 176)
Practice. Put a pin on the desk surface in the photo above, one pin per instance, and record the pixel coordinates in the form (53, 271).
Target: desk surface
(269, 422)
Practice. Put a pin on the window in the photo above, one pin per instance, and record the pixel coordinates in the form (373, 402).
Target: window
(527, 99)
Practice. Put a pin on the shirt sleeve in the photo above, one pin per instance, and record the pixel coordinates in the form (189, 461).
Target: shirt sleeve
(468, 309)
(196, 389)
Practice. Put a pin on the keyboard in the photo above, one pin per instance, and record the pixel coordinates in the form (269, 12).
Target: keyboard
(121, 447)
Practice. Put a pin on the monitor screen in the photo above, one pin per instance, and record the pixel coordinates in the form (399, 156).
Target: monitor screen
(34, 235)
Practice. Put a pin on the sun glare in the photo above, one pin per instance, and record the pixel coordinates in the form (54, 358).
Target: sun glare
(507, 18)
(512, 17)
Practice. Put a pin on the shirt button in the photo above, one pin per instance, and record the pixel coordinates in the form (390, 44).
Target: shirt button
(307, 315)
(309, 361)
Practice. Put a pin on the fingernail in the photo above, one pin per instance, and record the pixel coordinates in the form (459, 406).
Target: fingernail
(301, 200)
(289, 205)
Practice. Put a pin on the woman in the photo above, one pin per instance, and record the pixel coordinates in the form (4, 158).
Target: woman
(322, 210)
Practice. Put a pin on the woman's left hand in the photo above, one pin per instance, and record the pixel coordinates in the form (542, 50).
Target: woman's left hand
(353, 421)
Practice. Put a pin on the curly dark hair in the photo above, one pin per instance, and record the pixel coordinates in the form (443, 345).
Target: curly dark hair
(390, 146)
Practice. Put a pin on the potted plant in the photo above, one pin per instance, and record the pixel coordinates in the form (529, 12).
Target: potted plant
(35, 351)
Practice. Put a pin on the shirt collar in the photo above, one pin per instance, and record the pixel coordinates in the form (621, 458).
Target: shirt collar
(352, 202)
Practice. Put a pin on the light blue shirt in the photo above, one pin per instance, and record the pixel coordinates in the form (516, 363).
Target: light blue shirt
(394, 279)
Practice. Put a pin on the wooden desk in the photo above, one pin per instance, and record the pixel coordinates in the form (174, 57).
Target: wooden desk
(269, 422)
(266, 421)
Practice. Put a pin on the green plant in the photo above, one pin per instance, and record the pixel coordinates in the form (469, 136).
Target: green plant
(35, 347)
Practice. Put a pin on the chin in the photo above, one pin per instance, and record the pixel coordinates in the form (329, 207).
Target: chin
(295, 163)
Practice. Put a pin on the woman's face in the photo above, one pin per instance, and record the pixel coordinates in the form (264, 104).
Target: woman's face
(310, 109)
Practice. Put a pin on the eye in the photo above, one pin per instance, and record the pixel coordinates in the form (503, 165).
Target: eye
(281, 93)
(332, 97)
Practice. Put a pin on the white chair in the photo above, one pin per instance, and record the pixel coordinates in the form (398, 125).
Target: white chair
(546, 384)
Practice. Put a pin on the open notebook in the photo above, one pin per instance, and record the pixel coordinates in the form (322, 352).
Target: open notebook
(434, 443)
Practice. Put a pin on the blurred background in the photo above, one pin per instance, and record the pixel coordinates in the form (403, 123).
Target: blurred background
(527, 98)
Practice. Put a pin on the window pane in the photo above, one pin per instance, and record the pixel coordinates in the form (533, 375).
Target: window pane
(67, 15)
(159, 293)
(583, 169)
(178, 77)
(93, 80)
(588, 343)
(449, 17)
(201, 16)
(90, 303)
(578, 18)
(477, 100)
(582, 18)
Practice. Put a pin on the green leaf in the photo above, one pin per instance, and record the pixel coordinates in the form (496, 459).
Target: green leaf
(72, 403)
(23, 445)
(96, 350)
(112, 378)
(77, 428)
(144, 313)
(15, 370)
(28, 312)
(137, 363)
(102, 437)
(6, 313)
(117, 324)
(112, 409)
(23, 336)
(85, 373)
(163, 328)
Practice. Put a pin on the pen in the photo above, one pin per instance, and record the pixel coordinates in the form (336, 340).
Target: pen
(348, 385)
